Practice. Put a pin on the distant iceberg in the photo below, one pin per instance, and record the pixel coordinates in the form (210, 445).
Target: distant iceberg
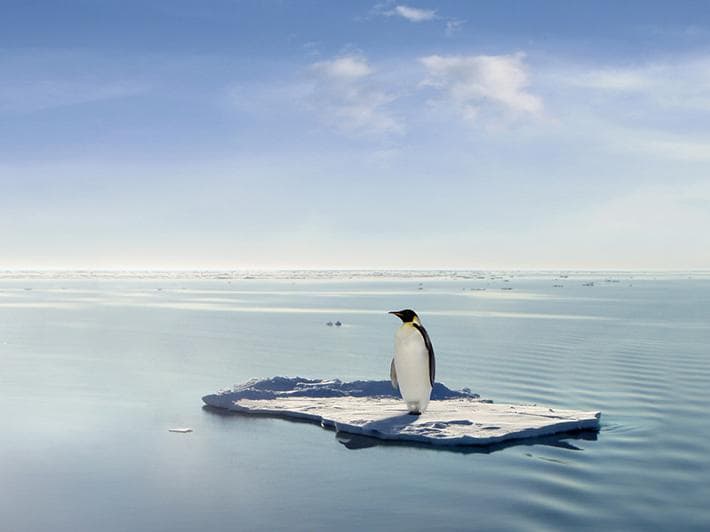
(373, 408)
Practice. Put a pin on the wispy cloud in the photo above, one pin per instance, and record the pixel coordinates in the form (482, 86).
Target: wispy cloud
(38, 79)
(683, 148)
(412, 14)
(684, 82)
(344, 69)
(656, 109)
(453, 26)
(612, 79)
(418, 14)
(475, 81)
(34, 96)
(350, 99)
(389, 8)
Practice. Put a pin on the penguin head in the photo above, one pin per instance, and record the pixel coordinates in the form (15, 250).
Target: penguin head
(406, 315)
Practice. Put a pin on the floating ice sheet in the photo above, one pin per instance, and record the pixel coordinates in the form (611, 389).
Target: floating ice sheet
(373, 408)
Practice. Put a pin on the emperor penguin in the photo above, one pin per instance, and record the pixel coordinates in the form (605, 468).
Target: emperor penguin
(413, 366)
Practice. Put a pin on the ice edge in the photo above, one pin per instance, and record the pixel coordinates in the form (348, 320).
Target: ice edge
(277, 393)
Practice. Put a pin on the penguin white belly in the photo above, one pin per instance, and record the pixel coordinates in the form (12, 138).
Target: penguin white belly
(411, 360)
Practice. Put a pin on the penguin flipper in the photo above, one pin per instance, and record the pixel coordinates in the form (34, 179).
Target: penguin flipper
(430, 349)
(393, 376)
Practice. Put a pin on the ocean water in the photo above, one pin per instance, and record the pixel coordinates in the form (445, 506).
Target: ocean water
(94, 370)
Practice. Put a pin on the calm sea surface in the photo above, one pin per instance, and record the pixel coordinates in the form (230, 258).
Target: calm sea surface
(94, 371)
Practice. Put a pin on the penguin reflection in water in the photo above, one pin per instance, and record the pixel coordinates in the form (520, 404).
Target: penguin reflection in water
(413, 366)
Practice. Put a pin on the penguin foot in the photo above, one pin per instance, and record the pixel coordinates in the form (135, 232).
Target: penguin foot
(415, 413)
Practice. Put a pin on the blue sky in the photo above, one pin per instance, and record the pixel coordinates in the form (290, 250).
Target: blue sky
(232, 134)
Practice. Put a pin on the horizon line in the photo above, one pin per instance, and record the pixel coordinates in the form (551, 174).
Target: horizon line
(369, 269)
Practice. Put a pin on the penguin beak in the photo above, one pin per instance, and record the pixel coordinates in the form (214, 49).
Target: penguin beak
(396, 313)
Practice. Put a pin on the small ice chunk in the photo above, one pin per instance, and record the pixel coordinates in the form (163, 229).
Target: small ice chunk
(182, 430)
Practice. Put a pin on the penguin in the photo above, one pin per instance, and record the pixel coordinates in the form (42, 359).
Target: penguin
(413, 366)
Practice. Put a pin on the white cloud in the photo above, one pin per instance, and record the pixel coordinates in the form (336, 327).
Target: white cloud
(349, 98)
(416, 15)
(388, 8)
(472, 82)
(413, 14)
(453, 26)
(346, 94)
(347, 68)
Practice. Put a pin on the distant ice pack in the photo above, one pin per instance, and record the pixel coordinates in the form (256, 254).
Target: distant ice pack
(374, 408)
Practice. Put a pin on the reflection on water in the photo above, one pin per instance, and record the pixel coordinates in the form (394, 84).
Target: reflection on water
(561, 441)
(359, 441)
(95, 369)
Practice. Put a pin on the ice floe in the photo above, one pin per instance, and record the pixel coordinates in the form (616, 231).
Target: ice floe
(373, 408)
